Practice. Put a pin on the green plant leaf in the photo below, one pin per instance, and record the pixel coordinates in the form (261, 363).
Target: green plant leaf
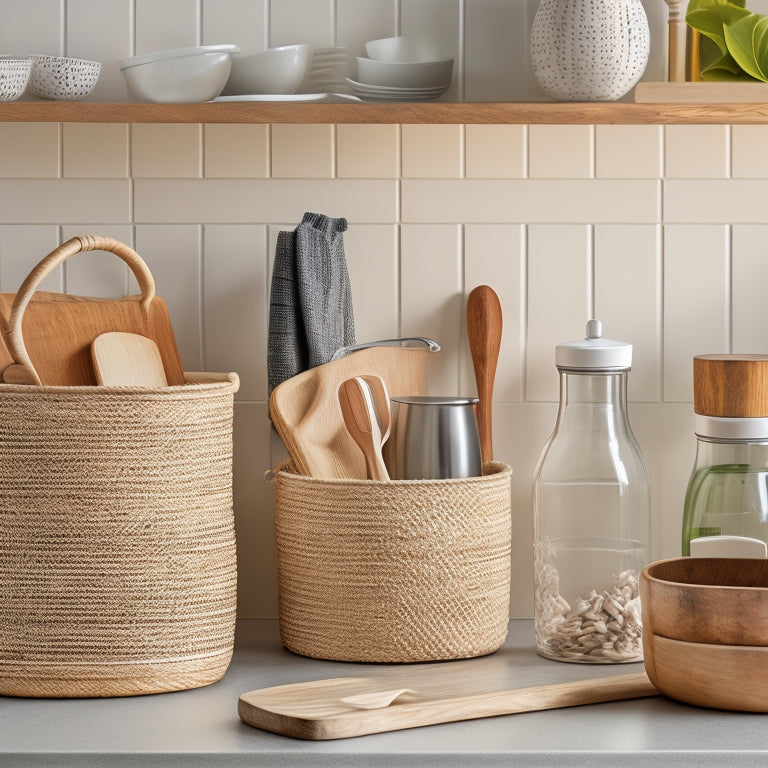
(746, 41)
(710, 16)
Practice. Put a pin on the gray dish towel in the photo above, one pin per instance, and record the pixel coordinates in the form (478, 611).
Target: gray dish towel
(310, 305)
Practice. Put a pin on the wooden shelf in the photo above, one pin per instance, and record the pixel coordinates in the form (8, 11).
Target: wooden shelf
(418, 112)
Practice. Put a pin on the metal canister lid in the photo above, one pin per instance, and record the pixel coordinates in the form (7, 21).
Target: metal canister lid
(594, 352)
(730, 386)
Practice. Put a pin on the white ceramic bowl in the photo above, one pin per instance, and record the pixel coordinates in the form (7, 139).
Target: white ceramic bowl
(405, 74)
(277, 70)
(14, 75)
(403, 48)
(179, 75)
(62, 78)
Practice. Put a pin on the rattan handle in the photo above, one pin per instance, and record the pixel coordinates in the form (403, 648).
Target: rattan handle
(23, 372)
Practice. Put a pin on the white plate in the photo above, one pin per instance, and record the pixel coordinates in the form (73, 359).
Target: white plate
(384, 90)
(289, 97)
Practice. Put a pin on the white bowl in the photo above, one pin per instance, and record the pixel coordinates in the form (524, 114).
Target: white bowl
(403, 48)
(62, 78)
(277, 70)
(405, 74)
(179, 75)
(14, 76)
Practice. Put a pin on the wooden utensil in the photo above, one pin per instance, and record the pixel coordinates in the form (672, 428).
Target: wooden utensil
(127, 360)
(361, 417)
(484, 325)
(306, 413)
(322, 709)
(48, 335)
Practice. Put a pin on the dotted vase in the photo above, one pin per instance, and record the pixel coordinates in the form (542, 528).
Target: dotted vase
(589, 50)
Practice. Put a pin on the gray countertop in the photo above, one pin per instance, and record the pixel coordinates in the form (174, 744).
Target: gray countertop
(201, 727)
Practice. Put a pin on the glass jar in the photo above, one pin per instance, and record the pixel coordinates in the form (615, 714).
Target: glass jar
(591, 512)
(726, 503)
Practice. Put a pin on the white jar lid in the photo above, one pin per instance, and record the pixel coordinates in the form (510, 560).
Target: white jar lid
(594, 352)
(729, 428)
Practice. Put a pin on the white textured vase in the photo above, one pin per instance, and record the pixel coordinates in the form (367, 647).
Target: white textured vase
(589, 50)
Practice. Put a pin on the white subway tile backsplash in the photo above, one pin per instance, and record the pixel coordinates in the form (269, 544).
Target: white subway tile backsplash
(432, 151)
(495, 151)
(169, 24)
(628, 151)
(29, 150)
(301, 21)
(560, 152)
(236, 151)
(697, 151)
(241, 22)
(749, 271)
(98, 274)
(248, 201)
(41, 31)
(559, 300)
(95, 150)
(64, 201)
(302, 151)
(537, 201)
(696, 302)
(235, 295)
(431, 295)
(21, 249)
(702, 201)
(166, 150)
(749, 158)
(367, 151)
(358, 21)
(628, 291)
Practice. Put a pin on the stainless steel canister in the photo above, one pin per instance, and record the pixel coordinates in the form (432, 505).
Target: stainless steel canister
(434, 438)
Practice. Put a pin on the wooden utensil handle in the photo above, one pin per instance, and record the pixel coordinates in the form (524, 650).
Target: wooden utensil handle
(23, 372)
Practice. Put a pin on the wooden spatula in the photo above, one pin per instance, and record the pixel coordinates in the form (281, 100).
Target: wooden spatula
(48, 335)
(343, 707)
(127, 360)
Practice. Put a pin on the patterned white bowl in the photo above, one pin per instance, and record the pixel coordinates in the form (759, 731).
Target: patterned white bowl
(62, 78)
(14, 75)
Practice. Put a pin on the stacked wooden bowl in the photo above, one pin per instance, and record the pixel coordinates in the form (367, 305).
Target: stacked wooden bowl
(705, 631)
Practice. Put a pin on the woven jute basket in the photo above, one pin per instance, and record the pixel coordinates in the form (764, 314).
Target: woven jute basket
(117, 544)
(401, 571)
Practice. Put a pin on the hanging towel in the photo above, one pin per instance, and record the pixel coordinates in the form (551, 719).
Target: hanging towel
(310, 307)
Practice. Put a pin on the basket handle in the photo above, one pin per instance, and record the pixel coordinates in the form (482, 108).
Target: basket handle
(23, 372)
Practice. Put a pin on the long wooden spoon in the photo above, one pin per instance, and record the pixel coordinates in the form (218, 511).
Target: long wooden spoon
(360, 416)
(484, 324)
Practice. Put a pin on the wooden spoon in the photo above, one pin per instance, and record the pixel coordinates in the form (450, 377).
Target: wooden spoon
(484, 324)
(127, 360)
(357, 406)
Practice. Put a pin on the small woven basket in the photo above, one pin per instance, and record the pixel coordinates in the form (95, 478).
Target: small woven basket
(117, 544)
(401, 571)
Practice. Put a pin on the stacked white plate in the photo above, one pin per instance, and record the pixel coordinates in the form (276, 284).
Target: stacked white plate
(401, 69)
(328, 71)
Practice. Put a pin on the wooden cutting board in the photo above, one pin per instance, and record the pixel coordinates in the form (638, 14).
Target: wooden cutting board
(306, 413)
(58, 330)
(324, 709)
(47, 336)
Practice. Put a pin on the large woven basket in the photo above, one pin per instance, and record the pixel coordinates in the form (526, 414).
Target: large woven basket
(117, 545)
(402, 571)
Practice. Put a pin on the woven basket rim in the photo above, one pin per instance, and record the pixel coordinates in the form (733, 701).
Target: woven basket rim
(196, 383)
(495, 470)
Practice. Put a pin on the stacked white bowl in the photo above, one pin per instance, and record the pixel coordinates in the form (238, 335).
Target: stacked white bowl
(401, 69)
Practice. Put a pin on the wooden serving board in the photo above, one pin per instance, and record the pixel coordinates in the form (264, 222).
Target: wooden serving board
(317, 710)
(58, 330)
(306, 413)
(701, 93)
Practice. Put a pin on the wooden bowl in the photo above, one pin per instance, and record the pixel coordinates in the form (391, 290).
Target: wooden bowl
(721, 601)
(715, 676)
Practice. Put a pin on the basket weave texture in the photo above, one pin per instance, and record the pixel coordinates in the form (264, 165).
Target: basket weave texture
(402, 571)
(117, 556)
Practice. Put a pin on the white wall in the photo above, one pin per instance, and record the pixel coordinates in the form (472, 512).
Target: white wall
(660, 231)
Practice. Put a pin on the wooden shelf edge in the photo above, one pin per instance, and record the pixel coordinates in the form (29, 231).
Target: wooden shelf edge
(398, 113)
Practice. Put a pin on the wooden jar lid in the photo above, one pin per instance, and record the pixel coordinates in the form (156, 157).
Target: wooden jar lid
(731, 386)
